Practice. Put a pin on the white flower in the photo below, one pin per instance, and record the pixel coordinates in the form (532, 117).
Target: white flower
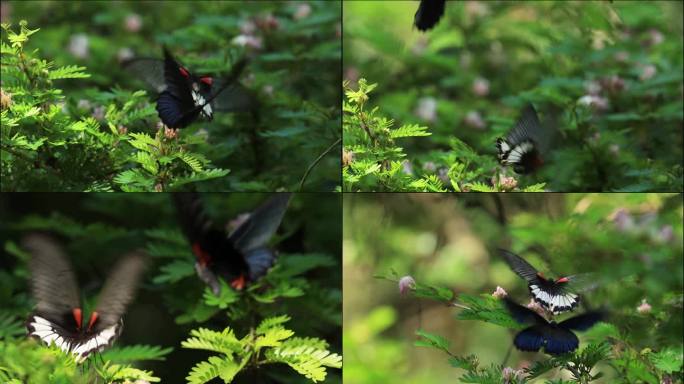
(474, 119)
(124, 54)
(302, 12)
(647, 72)
(78, 46)
(427, 109)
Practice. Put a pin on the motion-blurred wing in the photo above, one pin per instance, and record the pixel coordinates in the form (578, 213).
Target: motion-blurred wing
(149, 70)
(428, 14)
(235, 98)
(194, 221)
(119, 290)
(582, 282)
(584, 321)
(521, 267)
(52, 280)
(258, 229)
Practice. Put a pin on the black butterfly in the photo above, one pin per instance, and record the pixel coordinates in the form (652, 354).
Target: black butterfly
(555, 295)
(240, 257)
(183, 96)
(554, 338)
(523, 146)
(428, 14)
(58, 317)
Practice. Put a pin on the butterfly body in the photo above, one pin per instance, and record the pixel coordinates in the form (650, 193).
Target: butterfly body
(556, 296)
(183, 96)
(239, 257)
(552, 337)
(58, 318)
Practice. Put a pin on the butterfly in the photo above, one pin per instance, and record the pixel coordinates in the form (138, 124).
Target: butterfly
(241, 256)
(428, 14)
(58, 317)
(557, 295)
(523, 146)
(183, 96)
(554, 338)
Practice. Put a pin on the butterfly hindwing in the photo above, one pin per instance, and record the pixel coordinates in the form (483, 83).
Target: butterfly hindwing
(119, 290)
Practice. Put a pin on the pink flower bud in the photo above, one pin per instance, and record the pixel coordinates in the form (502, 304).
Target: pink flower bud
(406, 283)
(474, 120)
(622, 219)
(508, 183)
(124, 54)
(302, 12)
(666, 234)
(644, 307)
(481, 87)
(647, 72)
(407, 167)
(133, 22)
(429, 166)
(499, 293)
(533, 305)
(170, 133)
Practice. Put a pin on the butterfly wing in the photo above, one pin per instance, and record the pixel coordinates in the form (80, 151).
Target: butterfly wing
(584, 321)
(252, 236)
(530, 339)
(149, 70)
(558, 340)
(521, 267)
(119, 291)
(176, 106)
(428, 14)
(53, 283)
(523, 315)
(235, 98)
(522, 147)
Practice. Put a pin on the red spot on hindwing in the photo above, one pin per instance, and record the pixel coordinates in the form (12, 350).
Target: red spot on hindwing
(562, 280)
(78, 316)
(93, 319)
(239, 283)
(184, 72)
(207, 80)
(202, 257)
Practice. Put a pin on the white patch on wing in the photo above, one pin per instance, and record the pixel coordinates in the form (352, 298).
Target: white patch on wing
(48, 333)
(199, 100)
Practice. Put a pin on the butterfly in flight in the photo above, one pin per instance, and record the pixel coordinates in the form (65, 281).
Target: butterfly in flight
(58, 317)
(428, 14)
(557, 295)
(554, 338)
(184, 96)
(525, 144)
(239, 257)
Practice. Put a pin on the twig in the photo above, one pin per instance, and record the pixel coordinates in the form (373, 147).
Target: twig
(508, 354)
(318, 159)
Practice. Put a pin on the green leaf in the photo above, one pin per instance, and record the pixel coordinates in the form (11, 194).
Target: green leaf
(68, 72)
(668, 360)
(131, 353)
(431, 340)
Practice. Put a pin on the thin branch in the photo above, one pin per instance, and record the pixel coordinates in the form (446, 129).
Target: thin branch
(318, 159)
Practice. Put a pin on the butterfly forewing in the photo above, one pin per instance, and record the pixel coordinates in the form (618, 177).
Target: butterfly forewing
(119, 290)
(53, 282)
(521, 267)
(261, 224)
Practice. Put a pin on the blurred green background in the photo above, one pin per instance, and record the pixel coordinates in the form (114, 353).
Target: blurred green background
(614, 68)
(96, 229)
(294, 74)
(632, 242)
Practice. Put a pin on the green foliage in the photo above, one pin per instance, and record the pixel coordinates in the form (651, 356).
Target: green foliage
(96, 229)
(373, 162)
(287, 140)
(269, 343)
(448, 243)
(606, 76)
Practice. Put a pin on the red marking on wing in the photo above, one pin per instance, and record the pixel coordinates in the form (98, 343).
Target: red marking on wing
(78, 316)
(202, 256)
(93, 319)
(238, 283)
(184, 72)
(562, 280)
(207, 80)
